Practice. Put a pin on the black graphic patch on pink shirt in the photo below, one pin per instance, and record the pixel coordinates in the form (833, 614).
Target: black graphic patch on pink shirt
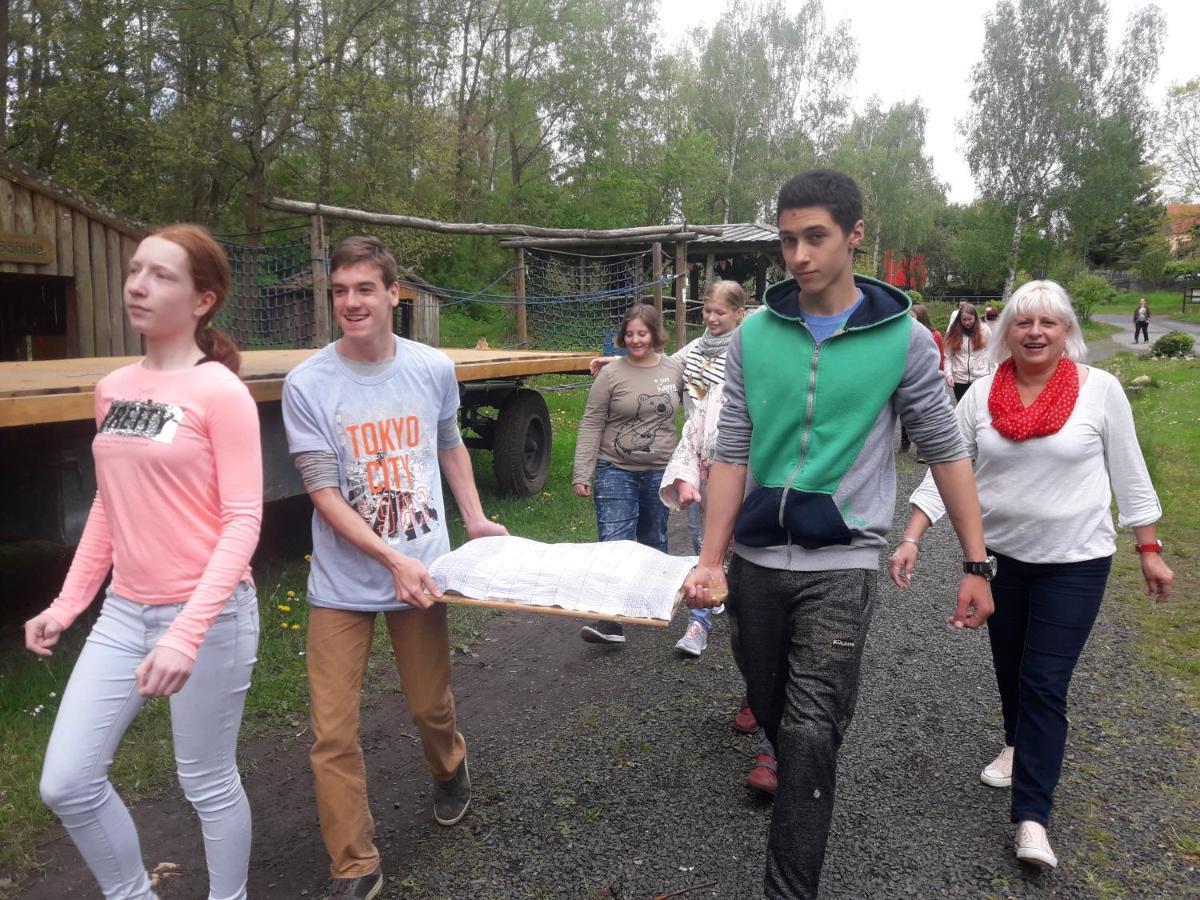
(143, 419)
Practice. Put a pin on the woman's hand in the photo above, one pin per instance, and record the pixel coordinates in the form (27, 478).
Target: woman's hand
(42, 633)
(686, 492)
(1155, 570)
(597, 364)
(705, 587)
(163, 672)
(582, 490)
(902, 563)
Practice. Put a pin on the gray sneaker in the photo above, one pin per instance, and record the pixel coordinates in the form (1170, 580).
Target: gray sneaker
(364, 887)
(694, 640)
(452, 797)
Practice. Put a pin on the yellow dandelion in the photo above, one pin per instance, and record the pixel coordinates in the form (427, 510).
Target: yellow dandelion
(284, 624)
(295, 628)
(283, 608)
(291, 593)
(308, 557)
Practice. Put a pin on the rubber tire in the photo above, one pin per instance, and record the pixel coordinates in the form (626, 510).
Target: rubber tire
(522, 444)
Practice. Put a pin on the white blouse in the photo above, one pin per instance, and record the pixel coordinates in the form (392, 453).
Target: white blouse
(1047, 499)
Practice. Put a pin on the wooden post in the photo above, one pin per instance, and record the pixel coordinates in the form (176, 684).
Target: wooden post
(680, 294)
(656, 262)
(760, 277)
(98, 253)
(322, 326)
(426, 319)
(85, 299)
(522, 312)
(710, 263)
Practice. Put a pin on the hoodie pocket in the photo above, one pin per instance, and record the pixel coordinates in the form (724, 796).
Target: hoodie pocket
(810, 520)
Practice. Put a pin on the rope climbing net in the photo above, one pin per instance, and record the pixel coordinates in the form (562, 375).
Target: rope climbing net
(270, 298)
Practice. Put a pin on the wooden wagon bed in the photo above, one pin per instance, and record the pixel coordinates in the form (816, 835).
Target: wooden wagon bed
(33, 393)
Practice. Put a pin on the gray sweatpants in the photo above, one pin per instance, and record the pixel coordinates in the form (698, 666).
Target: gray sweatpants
(798, 638)
(99, 704)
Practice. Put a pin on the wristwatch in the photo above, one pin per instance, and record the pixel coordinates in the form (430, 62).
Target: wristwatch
(985, 570)
(1156, 547)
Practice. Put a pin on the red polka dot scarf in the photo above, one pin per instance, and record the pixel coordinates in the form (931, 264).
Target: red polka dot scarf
(1046, 415)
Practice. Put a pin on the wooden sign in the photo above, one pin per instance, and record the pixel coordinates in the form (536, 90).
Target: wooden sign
(32, 249)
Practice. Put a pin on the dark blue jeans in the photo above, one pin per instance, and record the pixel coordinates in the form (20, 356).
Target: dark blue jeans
(628, 507)
(1044, 614)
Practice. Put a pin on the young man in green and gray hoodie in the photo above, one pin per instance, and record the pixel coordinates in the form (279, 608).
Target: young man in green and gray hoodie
(804, 484)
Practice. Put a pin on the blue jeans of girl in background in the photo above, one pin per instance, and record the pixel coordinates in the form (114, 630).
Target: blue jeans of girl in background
(1044, 614)
(695, 517)
(628, 507)
(101, 701)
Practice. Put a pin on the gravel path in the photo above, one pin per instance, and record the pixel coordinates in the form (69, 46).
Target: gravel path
(638, 792)
(613, 773)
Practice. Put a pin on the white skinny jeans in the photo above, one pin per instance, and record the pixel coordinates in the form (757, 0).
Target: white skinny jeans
(100, 702)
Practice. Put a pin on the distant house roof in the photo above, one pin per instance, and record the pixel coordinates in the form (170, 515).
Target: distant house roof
(1182, 217)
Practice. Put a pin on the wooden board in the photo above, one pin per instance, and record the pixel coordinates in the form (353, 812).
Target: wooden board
(62, 390)
(513, 606)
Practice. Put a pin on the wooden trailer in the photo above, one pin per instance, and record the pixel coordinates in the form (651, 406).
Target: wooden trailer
(47, 426)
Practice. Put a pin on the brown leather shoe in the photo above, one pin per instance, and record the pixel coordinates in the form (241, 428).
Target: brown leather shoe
(744, 721)
(763, 778)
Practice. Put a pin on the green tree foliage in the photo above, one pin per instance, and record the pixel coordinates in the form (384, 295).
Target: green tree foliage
(1052, 105)
(1179, 144)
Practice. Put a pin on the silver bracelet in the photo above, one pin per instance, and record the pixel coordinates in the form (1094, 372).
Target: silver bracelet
(913, 541)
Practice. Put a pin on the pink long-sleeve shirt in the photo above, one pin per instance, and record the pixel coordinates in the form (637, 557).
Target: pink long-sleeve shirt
(179, 496)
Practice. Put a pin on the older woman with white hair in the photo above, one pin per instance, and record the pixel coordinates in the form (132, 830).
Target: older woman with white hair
(1053, 440)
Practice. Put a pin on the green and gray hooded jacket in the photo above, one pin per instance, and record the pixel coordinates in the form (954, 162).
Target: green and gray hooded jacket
(815, 423)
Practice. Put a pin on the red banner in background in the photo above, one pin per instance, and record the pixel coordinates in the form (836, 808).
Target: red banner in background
(905, 271)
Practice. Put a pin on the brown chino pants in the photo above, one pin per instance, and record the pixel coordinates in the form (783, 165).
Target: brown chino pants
(339, 645)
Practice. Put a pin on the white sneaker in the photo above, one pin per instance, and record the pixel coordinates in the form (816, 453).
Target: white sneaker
(694, 640)
(1033, 846)
(998, 773)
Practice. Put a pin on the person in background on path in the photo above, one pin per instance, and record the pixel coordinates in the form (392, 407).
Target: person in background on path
(965, 351)
(626, 437)
(990, 315)
(1141, 321)
(802, 481)
(176, 517)
(372, 423)
(921, 314)
(1053, 440)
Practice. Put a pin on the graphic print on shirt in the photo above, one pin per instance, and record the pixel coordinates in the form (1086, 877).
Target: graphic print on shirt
(144, 419)
(389, 475)
(654, 412)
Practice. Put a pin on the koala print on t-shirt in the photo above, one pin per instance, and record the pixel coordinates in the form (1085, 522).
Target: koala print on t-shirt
(654, 412)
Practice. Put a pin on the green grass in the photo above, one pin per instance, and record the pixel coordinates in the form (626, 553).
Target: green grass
(1163, 304)
(460, 328)
(278, 698)
(1167, 414)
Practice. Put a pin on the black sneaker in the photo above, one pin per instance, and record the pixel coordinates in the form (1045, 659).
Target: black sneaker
(364, 887)
(452, 797)
(603, 632)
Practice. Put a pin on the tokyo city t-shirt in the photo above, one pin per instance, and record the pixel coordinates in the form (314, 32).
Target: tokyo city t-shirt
(384, 429)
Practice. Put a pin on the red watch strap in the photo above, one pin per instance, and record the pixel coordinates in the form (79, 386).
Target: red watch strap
(1156, 547)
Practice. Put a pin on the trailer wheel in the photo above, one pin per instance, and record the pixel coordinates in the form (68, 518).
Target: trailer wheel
(521, 446)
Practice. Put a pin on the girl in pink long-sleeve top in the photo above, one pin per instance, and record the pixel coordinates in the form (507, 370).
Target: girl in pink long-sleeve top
(176, 518)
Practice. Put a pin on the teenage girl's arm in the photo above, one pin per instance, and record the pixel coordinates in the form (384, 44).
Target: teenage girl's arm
(591, 430)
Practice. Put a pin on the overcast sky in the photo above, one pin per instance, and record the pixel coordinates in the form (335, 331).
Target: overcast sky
(926, 49)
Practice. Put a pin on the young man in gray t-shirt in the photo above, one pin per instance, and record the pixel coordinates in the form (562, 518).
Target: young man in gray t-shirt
(372, 425)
